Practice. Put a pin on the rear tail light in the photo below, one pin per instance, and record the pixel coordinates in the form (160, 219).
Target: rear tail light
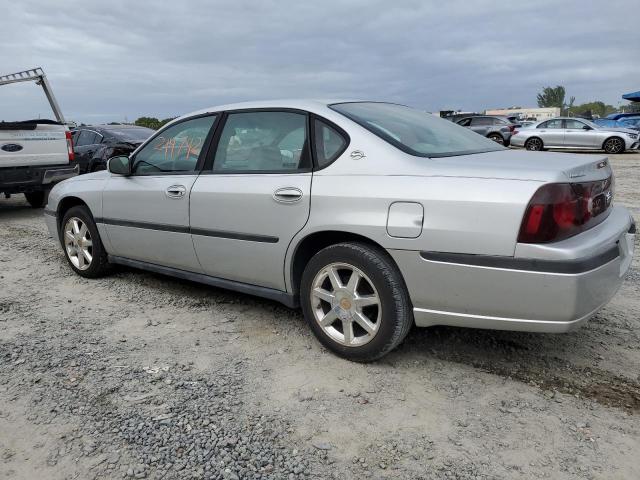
(515, 132)
(561, 210)
(70, 146)
(512, 128)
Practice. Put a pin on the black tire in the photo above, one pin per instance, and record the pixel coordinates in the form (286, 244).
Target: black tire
(613, 145)
(396, 316)
(37, 199)
(99, 265)
(534, 144)
(496, 137)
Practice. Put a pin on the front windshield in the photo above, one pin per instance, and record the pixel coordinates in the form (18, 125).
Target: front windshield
(416, 132)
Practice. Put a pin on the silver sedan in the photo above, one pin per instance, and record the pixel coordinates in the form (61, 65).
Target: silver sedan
(371, 216)
(575, 133)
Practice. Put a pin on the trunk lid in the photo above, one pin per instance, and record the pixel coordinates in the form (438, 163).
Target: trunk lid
(524, 165)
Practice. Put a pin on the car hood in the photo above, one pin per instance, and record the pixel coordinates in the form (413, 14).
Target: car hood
(525, 165)
(622, 129)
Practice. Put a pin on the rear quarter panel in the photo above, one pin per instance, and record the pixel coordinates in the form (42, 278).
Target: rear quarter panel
(461, 214)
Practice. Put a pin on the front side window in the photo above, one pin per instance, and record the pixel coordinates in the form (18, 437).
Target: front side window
(175, 149)
(329, 143)
(263, 142)
(573, 124)
(551, 124)
(465, 122)
(415, 132)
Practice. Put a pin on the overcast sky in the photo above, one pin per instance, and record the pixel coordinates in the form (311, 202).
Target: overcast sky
(113, 59)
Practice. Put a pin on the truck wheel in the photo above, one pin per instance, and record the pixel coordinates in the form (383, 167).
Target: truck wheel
(37, 199)
(82, 245)
(354, 299)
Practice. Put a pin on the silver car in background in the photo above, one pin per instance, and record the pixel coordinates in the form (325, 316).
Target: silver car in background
(373, 217)
(575, 133)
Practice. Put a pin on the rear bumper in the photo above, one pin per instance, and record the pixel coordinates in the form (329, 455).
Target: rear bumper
(31, 179)
(554, 292)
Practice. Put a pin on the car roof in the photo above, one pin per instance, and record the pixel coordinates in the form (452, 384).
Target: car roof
(300, 104)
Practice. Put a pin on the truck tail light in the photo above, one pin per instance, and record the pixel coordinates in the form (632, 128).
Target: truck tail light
(562, 210)
(72, 155)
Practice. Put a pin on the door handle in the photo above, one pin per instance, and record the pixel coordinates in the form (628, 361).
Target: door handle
(287, 195)
(176, 191)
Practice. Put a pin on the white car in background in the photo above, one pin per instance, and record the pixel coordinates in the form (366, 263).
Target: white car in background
(575, 133)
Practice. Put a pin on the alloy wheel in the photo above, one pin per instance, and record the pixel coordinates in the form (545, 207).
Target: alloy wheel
(534, 144)
(613, 145)
(346, 304)
(497, 139)
(78, 243)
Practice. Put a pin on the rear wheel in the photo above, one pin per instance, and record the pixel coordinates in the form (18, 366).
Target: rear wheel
(533, 144)
(355, 301)
(496, 137)
(613, 145)
(37, 199)
(81, 243)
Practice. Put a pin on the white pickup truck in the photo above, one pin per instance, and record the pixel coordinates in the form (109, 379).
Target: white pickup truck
(34, 154)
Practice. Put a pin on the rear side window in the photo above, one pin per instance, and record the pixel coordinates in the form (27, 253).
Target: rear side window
(263, 141)
(551, 124)
(87, 137)
(481, 121)
(329, 143)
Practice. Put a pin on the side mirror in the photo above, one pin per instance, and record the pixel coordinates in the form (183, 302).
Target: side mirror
(119, 165)
(586, 127)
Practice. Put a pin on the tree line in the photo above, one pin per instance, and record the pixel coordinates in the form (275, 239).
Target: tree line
(556, 97)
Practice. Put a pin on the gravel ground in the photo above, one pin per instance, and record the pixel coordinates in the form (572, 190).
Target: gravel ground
(142, 376)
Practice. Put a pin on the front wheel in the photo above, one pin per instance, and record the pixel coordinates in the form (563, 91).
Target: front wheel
(614, 145)
(354, 299)
(81, 243)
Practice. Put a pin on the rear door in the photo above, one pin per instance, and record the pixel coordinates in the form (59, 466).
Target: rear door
(551, 132)
(32, 144)
(481, 125)
(246, 209)
(147, 214)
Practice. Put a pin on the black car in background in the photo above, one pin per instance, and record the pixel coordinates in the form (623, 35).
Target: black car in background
(94, 145)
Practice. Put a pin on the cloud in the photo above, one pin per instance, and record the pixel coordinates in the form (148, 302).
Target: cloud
(111, 60)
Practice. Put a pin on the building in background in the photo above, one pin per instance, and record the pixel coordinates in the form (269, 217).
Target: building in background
(536, 114)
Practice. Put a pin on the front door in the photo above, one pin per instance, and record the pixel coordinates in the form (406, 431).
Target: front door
(255, 198)
(147, 213)
(575, 134)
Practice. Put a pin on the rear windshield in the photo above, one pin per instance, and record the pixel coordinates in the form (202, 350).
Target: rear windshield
(136, 135)
(416, 132)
